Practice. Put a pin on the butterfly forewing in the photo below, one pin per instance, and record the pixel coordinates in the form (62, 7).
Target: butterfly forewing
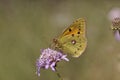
(78, 27)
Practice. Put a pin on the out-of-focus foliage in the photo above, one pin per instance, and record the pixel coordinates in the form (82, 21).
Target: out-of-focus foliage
(26, 26)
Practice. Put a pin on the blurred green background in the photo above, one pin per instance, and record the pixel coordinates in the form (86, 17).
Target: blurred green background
(26, 26)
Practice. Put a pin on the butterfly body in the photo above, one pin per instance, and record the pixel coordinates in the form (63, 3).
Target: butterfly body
(73, 40)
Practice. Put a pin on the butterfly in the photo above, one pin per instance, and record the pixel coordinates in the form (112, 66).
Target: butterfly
(116, 27)
(73, 40)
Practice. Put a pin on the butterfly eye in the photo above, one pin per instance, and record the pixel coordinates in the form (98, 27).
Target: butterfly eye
(73, 41)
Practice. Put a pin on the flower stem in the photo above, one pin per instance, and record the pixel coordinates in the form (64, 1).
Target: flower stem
(59, 76)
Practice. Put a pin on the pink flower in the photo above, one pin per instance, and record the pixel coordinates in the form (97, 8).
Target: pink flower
(114, 13)
(48, 59)
(114, 17)
(116, 28)
(117, 35)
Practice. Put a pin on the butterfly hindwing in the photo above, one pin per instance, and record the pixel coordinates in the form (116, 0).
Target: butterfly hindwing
(74, 46)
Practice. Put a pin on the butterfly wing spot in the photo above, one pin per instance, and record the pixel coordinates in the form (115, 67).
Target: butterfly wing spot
(78, 49)
(73, 42)
(70, 30)
(79, 29)
(75, 52)
(80, 46)
(78, 32)
(72, 35)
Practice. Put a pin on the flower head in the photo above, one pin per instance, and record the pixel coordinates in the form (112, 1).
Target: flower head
(116, 22)
(116, 27)
(48, 59)
(114, 17)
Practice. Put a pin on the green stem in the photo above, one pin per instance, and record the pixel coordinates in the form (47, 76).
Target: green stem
(59, 76)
